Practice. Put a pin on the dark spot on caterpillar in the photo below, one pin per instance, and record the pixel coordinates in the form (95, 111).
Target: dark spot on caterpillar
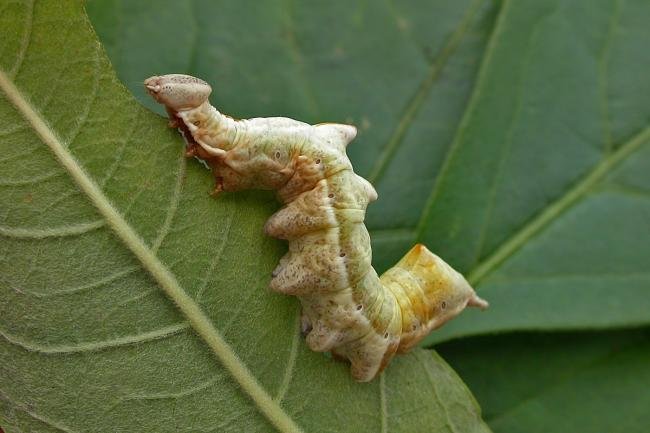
(359, 307)
(277, 155)
(342, 255)
(386, 335)
(197, 123)
(330, 195)
(318, 161)
(414, 327)
(443, 305)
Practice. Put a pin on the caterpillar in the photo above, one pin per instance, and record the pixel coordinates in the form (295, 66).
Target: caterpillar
(347, 309)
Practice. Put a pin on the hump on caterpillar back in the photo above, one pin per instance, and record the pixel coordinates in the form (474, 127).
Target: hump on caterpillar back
(368, 188)
(435, 293)
(433, 271)
(337, 134)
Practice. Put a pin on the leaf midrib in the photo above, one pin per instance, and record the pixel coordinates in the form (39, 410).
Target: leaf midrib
(165, 279)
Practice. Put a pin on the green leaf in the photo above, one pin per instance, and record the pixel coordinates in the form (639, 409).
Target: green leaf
(518, 151)
(104, 226)
(587, 382)
(553, 220)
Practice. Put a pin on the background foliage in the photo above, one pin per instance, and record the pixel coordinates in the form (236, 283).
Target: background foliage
(510, 137)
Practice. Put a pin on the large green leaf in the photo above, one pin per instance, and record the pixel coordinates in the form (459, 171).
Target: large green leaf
(532, 176)
(101, 216)
(554, 219)
(590, 382)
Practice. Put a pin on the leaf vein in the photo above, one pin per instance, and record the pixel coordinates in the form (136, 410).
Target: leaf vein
(95, 284)
(418, 99)
(32, 180)
(627, 190)
(173, 395)
(507, 146)
(95, 346)
(36, 416)
(383, 403)
(83, 115)
(418, 355)
(173, 205)
(462, 125)
(25, 41)
(603, 70)
(291, 362)
(55, 232)
(216, 258)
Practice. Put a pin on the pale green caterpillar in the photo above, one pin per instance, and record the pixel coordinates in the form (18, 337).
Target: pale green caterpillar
(346, 308)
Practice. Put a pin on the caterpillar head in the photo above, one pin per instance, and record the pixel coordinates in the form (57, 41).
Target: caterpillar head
(178, 92)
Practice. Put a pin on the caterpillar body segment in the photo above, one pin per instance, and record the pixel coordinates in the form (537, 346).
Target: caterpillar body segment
(347, 308)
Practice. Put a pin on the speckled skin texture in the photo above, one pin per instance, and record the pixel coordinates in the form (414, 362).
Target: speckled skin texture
(347, 309)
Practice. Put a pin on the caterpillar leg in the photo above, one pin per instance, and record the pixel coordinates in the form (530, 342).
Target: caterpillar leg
(281, 265)
(322, 338)
(366, 356)
(372, 349)
(305, 324)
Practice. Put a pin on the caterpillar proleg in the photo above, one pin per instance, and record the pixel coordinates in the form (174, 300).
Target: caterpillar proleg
(347, 308)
